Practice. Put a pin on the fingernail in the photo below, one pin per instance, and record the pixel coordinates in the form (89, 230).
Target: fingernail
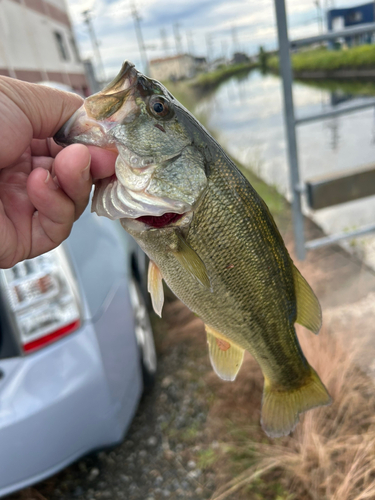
(86, 172)
(50, 182)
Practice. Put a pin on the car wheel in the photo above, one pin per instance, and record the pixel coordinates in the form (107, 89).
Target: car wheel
(144, 335)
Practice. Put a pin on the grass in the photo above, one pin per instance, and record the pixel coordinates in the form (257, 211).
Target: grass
(213, 78)
(329, 60)
(206, 458)
(331, 455)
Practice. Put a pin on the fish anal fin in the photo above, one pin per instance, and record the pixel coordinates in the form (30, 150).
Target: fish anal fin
(225, 356)
(309, 313)
(281, 408)
(191, 262)
(155, 287)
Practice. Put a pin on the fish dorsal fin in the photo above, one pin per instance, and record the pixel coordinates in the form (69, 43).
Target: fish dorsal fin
(155, 287)
(226, 358)
(191, 262)
(309, 313)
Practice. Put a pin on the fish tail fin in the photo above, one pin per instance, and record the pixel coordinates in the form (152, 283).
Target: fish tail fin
(281, 408)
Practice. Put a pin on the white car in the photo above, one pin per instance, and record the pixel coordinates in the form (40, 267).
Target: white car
(76, 348)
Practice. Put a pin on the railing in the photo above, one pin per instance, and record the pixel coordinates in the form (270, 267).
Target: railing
(298, 189)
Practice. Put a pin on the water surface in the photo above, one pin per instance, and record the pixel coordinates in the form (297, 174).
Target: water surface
(247, 117)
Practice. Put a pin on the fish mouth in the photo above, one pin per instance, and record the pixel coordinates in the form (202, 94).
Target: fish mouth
(114, 200)
(161, 221)
(128, 193)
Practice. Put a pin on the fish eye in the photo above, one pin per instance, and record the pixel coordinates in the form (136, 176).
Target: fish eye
(159, 107)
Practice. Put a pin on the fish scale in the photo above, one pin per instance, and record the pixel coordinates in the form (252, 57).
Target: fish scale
(251, 310)
(208, 234)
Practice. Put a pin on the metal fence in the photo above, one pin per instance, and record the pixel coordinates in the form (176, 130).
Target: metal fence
(298, 188)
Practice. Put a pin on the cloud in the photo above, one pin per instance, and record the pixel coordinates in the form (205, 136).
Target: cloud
(226, 26)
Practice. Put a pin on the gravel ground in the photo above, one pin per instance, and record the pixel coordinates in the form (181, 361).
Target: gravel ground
(158, 458)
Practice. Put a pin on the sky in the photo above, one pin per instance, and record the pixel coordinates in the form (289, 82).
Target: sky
(211, 28)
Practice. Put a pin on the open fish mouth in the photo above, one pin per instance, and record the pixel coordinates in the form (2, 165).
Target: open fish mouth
(161, 221)
(113, 200)
(127, 193)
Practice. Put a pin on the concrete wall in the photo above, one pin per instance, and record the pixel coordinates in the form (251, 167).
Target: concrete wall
(29, 47)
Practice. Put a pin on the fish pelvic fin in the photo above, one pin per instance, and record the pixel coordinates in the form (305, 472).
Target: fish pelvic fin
(155, 287)
(191, 262)
(281, 408)
(309, 313)
(225, 356)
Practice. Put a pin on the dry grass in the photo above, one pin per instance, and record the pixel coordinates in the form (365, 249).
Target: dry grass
(331, 455)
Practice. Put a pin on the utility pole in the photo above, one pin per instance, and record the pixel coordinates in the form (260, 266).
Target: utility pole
(209, 46)
(190, 42)
(224, 47)
(141, 44)
(235, 39)
(319, 14)
(177, 37)
(164, 41)
(95, 45)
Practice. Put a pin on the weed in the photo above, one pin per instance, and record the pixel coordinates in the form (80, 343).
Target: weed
(206, 458)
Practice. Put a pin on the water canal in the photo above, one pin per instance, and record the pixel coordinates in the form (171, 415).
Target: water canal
(246, 115)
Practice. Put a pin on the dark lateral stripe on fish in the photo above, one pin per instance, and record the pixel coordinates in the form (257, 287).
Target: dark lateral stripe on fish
(161, 221)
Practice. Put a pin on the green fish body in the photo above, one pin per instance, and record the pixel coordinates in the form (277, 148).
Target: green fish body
(211, 237)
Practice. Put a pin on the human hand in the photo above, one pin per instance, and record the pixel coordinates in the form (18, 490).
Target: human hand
(43, 189)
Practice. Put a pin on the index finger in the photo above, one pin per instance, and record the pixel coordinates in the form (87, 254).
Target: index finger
(30, 111)
(46, 108)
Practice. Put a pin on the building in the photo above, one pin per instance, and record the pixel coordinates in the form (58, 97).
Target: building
(240, 58)
(174, 68)
(339, 19)
(37, 43)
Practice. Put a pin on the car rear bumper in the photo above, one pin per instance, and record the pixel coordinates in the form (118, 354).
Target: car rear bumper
(56, 405)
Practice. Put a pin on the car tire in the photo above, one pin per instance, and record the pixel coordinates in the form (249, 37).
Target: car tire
(144, 335)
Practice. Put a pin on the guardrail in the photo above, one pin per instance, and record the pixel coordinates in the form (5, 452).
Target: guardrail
(299, 189)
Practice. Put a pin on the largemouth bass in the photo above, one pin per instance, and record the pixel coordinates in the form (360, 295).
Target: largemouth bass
(208, 234)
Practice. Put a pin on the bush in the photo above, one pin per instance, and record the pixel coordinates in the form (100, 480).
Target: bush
(323, 59)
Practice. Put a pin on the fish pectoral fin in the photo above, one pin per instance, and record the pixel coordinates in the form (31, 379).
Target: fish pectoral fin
(309, 313)
(155, 287)
(191, 262)
(226, 358)
(281, 408)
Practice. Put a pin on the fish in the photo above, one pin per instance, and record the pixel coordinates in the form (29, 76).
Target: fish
(208, 235)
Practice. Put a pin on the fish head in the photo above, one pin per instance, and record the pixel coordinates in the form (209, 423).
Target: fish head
(159, 170)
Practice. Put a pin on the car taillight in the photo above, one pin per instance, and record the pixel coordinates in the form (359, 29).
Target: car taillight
(43, 299)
